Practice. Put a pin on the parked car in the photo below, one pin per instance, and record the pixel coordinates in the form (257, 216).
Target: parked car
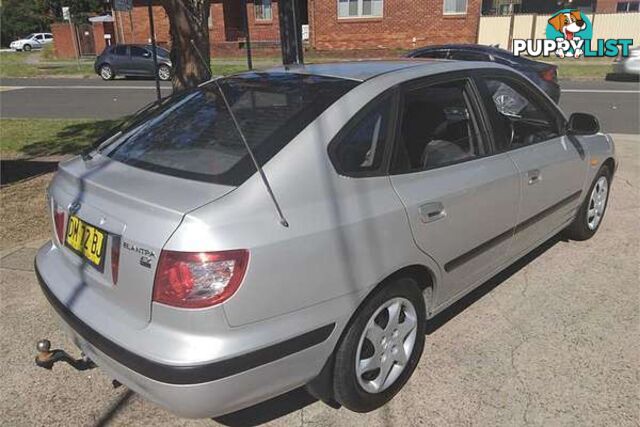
(386, 191)
(132, 60)
(32, 41)
(629, 65)
(543, 74)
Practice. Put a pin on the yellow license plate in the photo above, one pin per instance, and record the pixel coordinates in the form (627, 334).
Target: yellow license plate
(86, 240)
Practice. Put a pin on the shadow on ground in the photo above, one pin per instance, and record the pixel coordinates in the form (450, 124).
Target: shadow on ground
(41, 156)
(17, 170)
(300, 398)
(461, 305)
(615, 77)
(115, 407)
(70, 140)
(269, 410)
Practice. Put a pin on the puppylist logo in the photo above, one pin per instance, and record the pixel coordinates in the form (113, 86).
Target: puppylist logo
(570, 34)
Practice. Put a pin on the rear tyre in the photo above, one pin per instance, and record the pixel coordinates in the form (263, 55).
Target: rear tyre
(164, 73)
(26, 48)
(106, 72)
(591, 212)
(381, 347)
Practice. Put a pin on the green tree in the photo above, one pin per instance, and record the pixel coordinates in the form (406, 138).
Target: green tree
(81, 10)
(188, 20)
(21, 17)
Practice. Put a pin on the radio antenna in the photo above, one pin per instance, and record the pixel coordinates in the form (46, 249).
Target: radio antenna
(265, 181)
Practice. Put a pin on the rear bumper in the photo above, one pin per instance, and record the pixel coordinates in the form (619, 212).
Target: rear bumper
(208, 389)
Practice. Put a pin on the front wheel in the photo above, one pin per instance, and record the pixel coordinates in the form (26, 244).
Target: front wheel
(106, 72)
(591, 212)
(381, 347)
(164, 73)
(26, 47)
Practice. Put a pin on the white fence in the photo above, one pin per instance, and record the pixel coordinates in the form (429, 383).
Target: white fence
(500, 30)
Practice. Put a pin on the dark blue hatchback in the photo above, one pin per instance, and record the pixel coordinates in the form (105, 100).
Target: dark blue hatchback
(132, 60)
(542, 74)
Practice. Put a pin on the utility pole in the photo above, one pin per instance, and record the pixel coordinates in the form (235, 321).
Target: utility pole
(245, 21)
(154, 49)
(290, 34)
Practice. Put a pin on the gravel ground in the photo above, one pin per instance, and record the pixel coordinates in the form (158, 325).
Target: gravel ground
(554, 340)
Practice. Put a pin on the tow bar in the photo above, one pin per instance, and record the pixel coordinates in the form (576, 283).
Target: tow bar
(46, 357)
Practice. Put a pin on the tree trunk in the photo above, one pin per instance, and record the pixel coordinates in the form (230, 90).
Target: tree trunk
(189, 20)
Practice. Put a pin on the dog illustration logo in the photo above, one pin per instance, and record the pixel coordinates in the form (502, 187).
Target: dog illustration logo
(569, 33)
(569, 25)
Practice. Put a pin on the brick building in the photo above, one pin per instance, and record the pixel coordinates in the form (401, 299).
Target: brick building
(226, 25)
(390, 24)
(333, 24)
(339, 24)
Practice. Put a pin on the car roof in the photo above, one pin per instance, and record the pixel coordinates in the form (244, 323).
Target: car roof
(465, 46)
(357, 70)
(493, 50)
(146, 46)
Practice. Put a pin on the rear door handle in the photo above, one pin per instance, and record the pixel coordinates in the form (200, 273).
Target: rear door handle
(430, 212)
(533, 176)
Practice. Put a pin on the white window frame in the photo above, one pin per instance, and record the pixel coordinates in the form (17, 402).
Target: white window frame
(255, 12)
(444, 11)
(359, 11)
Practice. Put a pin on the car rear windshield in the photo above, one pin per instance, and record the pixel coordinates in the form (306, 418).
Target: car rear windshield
(192, 135)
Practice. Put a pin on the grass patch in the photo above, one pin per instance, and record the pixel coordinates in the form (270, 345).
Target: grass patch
(581, 68)
(218, 69)
(31, 64)
(47, 137)
(584, 71)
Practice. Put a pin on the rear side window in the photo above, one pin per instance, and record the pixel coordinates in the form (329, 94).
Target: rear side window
(465, 55)
(139, 52)
(436, 54)
(359, 148)
(193, 136)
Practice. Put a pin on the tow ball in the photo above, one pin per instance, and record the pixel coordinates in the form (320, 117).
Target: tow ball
(46, 357)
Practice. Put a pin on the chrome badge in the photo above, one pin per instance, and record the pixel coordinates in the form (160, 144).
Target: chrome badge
(74, 207)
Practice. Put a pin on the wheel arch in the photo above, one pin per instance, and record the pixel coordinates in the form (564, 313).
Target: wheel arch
(611, 164)
(322, 386)
(103, 63)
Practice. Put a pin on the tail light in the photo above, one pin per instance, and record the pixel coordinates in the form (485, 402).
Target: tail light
(115, 257)
(549, 74)
(58, 221)
(198, 279)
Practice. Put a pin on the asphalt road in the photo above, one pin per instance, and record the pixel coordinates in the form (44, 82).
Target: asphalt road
(616, 104)
(552, 341)
(75, 98)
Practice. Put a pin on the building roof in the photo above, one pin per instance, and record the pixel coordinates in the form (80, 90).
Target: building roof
(355, 70)
(103, 18)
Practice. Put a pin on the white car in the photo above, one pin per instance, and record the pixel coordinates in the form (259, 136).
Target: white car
(32, 41)
(628, 65)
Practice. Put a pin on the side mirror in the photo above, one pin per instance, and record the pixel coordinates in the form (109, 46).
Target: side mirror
(146, 55)
(583, 124)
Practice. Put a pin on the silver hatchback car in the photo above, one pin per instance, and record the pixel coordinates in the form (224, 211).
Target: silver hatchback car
(299, 226)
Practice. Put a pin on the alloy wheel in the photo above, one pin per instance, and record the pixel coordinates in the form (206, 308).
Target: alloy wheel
(386, 345)
(105, 72)
(164, 73)
(597, 203)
